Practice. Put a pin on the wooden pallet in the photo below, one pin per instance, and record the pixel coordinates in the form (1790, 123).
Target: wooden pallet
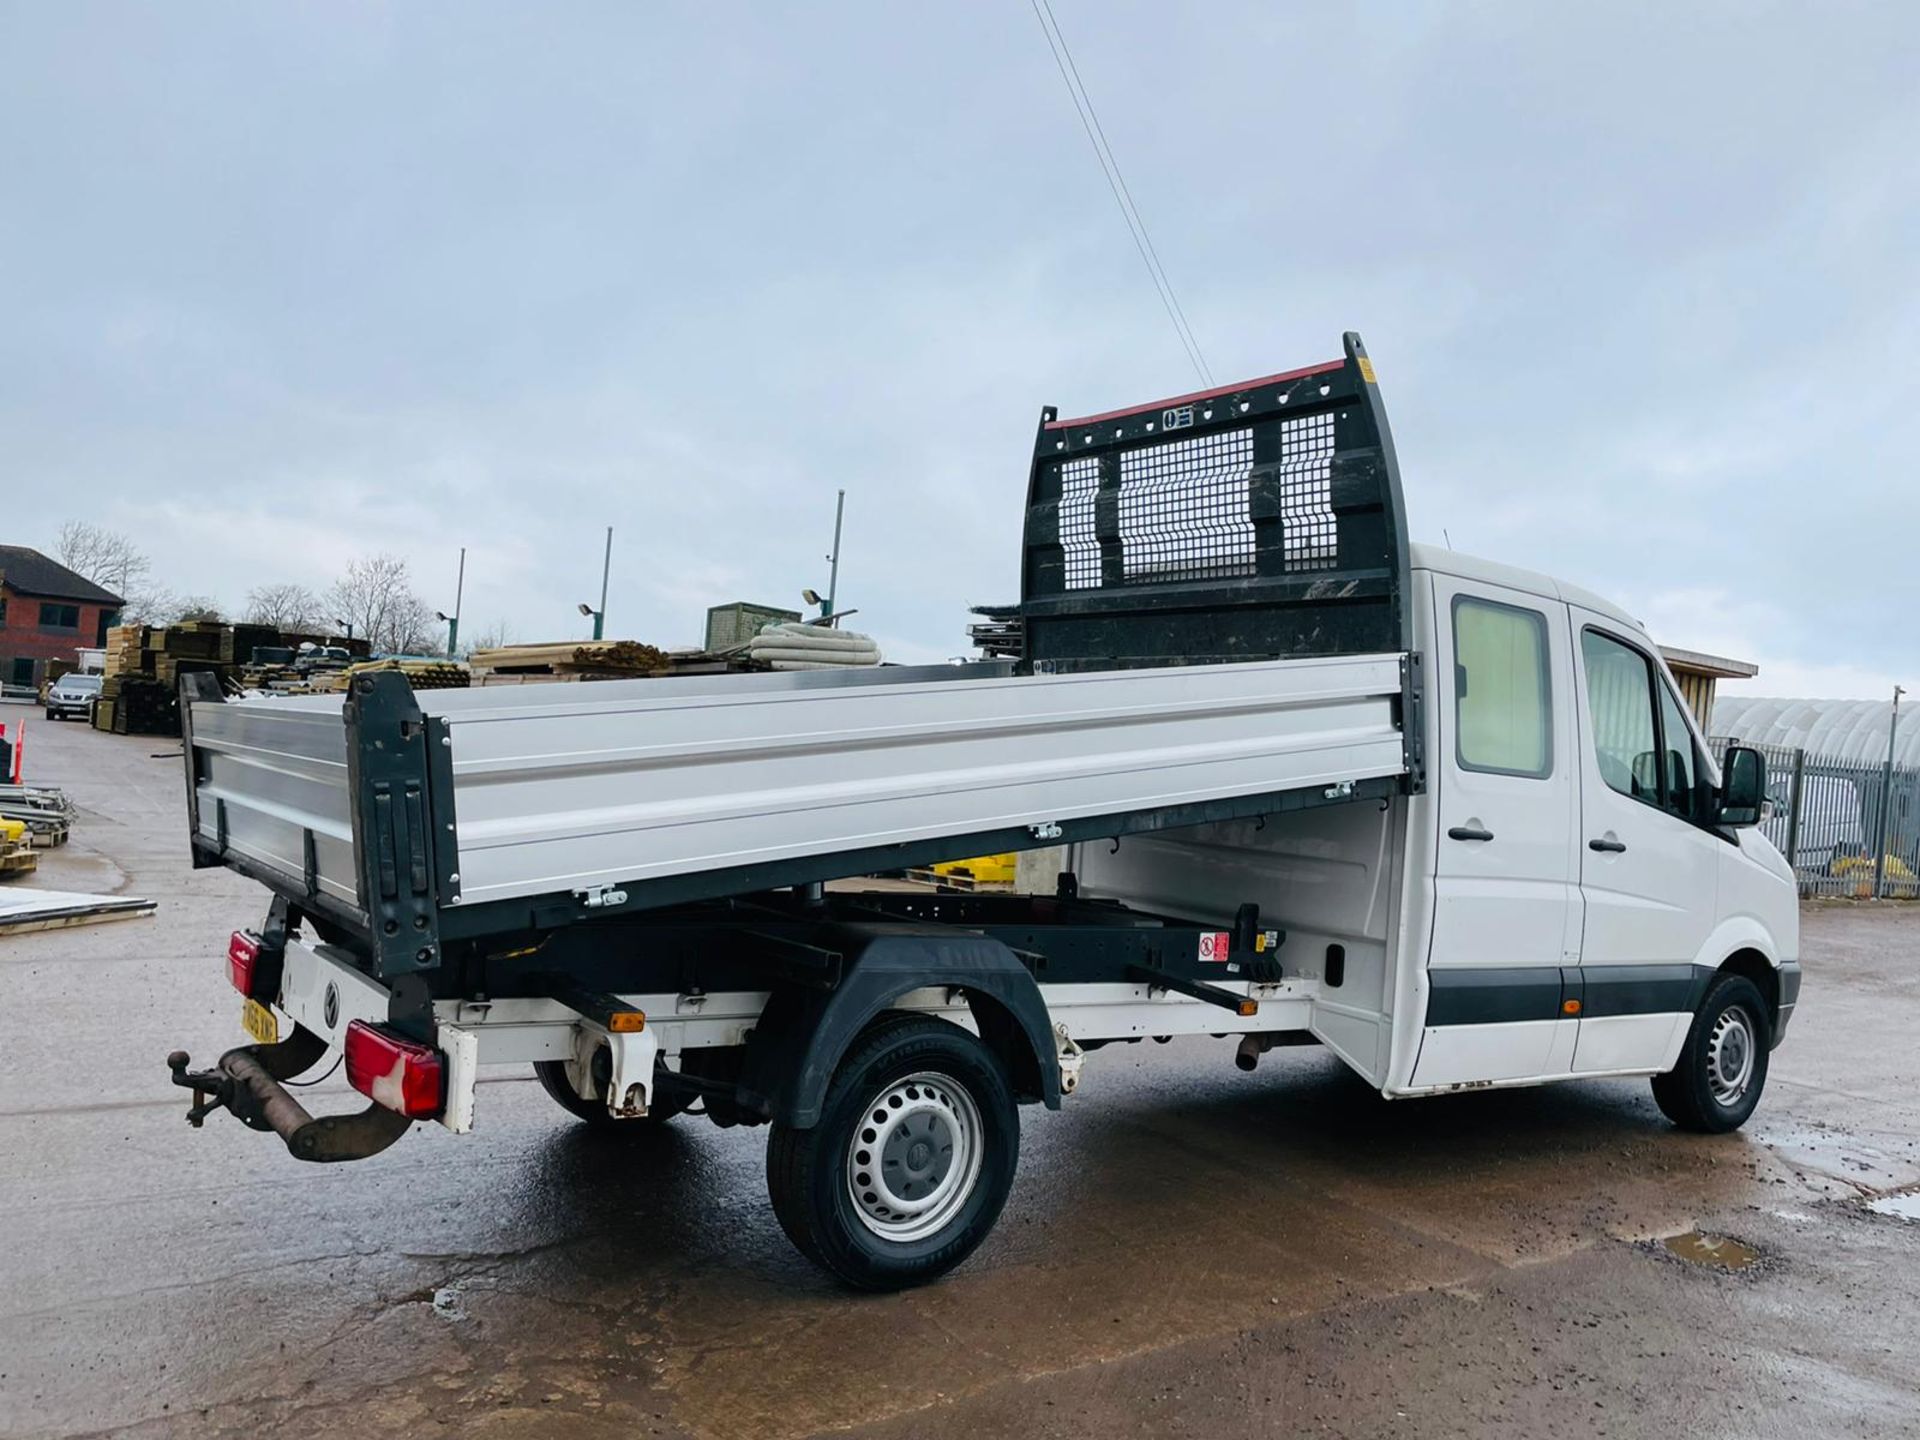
(959, 880)
(16, 850)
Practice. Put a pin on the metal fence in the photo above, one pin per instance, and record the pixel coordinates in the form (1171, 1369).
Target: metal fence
(1847, 827)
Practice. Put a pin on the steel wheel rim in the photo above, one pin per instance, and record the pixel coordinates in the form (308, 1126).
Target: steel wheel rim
(1731, 1055)
(914, 1157)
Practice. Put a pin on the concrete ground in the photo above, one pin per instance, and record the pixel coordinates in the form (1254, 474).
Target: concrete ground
(1188, 1249)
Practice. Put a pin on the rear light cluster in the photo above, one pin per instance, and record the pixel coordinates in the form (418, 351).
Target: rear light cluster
(402, 1075)
(243, 950)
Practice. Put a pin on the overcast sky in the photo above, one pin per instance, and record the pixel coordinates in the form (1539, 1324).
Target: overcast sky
(286, 284)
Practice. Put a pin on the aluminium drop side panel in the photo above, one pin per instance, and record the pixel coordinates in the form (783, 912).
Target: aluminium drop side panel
(339, 805)
(628, 781)
(269, 774)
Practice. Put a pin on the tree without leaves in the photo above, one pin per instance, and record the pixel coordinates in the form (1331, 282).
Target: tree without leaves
(104, 557)
(151, 606)
(377, 600)
(286, 608)
(492, 638)
(194, 607)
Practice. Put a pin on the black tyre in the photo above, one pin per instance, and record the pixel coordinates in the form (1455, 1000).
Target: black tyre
(1723, 1066)
(669, 1099)
(52, 714)
(911, 1162)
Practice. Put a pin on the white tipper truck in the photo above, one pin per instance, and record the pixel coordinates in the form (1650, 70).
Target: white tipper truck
(1314, 785)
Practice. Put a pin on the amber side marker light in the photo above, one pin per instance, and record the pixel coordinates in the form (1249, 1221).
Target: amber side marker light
(626, 1022)
(1569, 1007)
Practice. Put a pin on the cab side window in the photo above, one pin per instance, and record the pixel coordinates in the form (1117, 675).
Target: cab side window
(1503, 705)
(1620, 703)
(1682, 796)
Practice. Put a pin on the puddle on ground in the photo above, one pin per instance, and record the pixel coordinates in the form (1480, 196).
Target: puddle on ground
(1833, 1155)
(1715, 1250)
(1906, 1206)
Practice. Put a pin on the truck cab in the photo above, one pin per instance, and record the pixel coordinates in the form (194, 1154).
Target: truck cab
(1585, 887)
(1557, 902)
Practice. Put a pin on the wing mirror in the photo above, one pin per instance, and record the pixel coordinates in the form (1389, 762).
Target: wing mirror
(1743, 786)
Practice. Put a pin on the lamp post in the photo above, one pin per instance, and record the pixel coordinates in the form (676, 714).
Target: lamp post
(1886, 799)
(813, 597)
(453, 620)
(599, 616)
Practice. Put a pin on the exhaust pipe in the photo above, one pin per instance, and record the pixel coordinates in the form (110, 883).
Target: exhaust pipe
(1252, 1047)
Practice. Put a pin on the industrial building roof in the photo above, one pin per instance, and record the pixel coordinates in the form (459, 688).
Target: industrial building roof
(1842, 729)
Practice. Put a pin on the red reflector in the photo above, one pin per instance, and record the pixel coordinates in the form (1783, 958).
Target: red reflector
(402, 1075)
(242, 951)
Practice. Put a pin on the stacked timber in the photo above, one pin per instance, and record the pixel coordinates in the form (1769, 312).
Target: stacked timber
(238, 642)
(137, 705)
(140, 692)
(421, 673)
(284, 679)
(574, 660)
(189, 640)
(125, 645)
(569, 657)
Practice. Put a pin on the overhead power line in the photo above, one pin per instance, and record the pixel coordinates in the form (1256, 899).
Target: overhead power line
(1116, 182)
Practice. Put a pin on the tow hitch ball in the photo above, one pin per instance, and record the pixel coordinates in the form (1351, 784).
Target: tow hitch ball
(210, 1088)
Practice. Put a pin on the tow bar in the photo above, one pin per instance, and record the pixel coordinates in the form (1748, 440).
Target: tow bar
(246, 1082)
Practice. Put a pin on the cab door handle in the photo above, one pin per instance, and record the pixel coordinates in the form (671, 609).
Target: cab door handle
(1607, 845)
(1469, 832)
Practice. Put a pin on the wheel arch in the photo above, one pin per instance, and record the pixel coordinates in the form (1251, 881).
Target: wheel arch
(1765, 975)
(803, 1032)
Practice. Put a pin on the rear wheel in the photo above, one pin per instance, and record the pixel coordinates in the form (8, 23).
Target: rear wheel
(1723, 1066)
(911, 1162)
(668, 1098)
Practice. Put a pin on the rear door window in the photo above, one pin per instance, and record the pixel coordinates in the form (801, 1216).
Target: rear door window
(1502, 695)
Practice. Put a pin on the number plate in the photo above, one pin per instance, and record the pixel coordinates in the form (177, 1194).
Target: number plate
(260, 1022)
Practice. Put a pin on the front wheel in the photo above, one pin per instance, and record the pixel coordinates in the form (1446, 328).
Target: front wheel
(1723, 1066)
(911, 1162)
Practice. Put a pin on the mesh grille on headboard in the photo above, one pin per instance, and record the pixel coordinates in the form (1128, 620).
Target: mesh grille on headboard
(1258, 520)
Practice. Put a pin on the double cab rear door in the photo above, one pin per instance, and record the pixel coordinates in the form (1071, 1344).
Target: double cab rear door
(1575, 883)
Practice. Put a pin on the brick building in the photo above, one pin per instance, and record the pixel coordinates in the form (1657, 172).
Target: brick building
(47, 613)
